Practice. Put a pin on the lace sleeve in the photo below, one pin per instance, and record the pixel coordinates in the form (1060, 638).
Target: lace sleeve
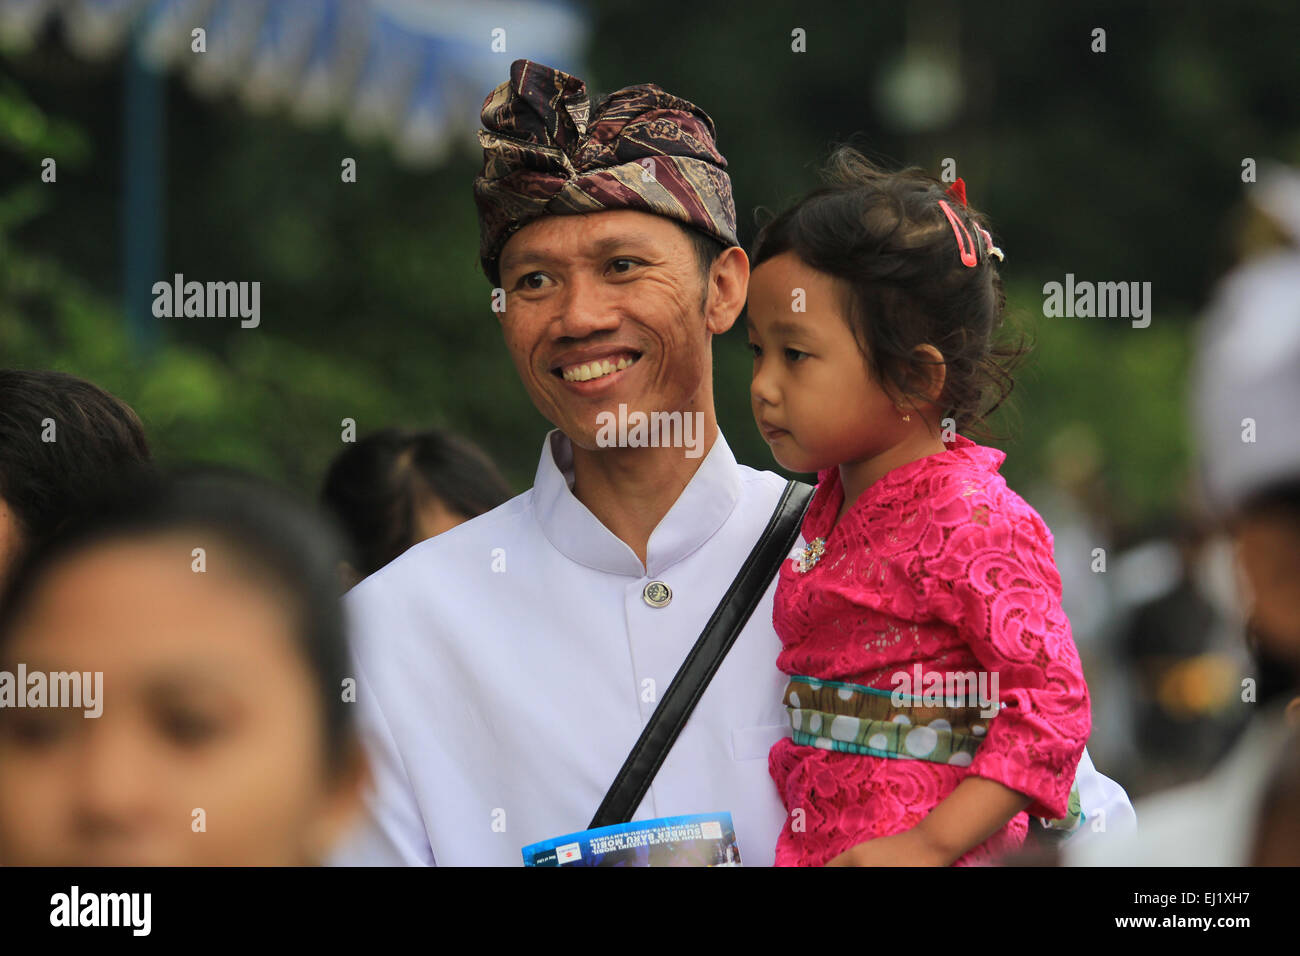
(996, 582)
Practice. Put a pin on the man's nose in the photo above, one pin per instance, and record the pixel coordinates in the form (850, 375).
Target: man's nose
(585, 308)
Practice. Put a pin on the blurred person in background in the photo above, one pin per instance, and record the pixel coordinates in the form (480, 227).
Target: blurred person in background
(1246, 390)
(224, 736)
(394, 489)
(60, 438)
(1183, 648)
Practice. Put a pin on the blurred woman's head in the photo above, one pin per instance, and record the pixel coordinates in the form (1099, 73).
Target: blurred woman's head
(60, 437)
(208, 605)
(394, 489)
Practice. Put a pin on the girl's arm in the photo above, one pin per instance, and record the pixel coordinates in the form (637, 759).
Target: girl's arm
(968, 816)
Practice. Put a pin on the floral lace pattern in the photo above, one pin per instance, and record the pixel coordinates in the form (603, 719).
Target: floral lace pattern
(937, 563)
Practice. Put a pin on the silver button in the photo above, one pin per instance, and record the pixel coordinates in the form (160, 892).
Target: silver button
(657, 594)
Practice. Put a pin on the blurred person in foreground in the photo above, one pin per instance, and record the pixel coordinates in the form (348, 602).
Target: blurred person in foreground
(394, 489)
(60, 438)
(203, 612)
(1247, 390)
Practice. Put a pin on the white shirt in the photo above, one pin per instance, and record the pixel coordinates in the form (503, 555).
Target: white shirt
(506, 667)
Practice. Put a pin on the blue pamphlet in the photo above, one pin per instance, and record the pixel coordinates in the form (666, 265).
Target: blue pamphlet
(701, 839)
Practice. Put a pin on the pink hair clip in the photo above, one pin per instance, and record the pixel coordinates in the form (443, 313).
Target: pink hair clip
(968, 257)
(958, 192)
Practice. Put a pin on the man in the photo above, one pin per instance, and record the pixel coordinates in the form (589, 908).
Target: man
(506, 667)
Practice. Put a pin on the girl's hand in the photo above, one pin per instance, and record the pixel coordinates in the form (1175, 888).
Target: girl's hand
(964, 819)
(909, 848)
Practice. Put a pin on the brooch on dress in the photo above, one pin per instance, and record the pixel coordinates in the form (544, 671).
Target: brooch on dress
(811, 555)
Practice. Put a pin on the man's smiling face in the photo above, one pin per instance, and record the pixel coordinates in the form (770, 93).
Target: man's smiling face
(606, 309)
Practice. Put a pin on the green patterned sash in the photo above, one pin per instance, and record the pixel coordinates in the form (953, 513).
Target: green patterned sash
(851, 718)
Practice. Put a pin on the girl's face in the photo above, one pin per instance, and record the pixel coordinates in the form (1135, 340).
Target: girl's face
(209, 747)
(813, 395)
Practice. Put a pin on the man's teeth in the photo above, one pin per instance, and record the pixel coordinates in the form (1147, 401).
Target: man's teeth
(584, 373)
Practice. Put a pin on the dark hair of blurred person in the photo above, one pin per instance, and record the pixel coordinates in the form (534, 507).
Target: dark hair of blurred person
(209, 605)
(48, 474)
(393, 489)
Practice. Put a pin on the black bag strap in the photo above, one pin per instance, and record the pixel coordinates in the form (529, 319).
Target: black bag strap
(633, 780)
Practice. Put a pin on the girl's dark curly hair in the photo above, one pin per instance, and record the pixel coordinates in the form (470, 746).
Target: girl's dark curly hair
(886, 238)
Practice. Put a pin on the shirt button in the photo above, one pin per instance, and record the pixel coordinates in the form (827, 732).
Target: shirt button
(657, 594)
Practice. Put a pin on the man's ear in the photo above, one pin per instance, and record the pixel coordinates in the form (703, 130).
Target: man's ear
(728, 284)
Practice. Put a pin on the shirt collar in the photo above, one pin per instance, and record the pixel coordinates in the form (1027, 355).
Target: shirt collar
(703, 506)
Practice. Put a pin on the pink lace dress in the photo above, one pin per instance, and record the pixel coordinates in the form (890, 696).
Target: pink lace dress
(938, 563)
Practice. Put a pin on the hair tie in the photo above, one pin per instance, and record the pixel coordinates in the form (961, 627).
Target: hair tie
(988, 244)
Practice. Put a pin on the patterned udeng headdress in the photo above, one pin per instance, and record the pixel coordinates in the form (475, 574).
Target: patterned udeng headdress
(642, 148)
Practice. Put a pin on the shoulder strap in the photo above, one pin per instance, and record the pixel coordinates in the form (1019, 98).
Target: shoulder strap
(633, 780)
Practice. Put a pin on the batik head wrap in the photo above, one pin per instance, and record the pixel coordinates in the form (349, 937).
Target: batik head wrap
(641, 148)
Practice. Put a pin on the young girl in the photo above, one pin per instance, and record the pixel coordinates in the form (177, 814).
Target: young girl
(873, 308)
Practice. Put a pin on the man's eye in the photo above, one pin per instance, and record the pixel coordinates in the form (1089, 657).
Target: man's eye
(795, 355)
(625, 263)
(756, 349)
(531, 280)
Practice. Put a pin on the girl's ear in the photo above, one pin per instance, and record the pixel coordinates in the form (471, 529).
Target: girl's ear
(928, 372)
